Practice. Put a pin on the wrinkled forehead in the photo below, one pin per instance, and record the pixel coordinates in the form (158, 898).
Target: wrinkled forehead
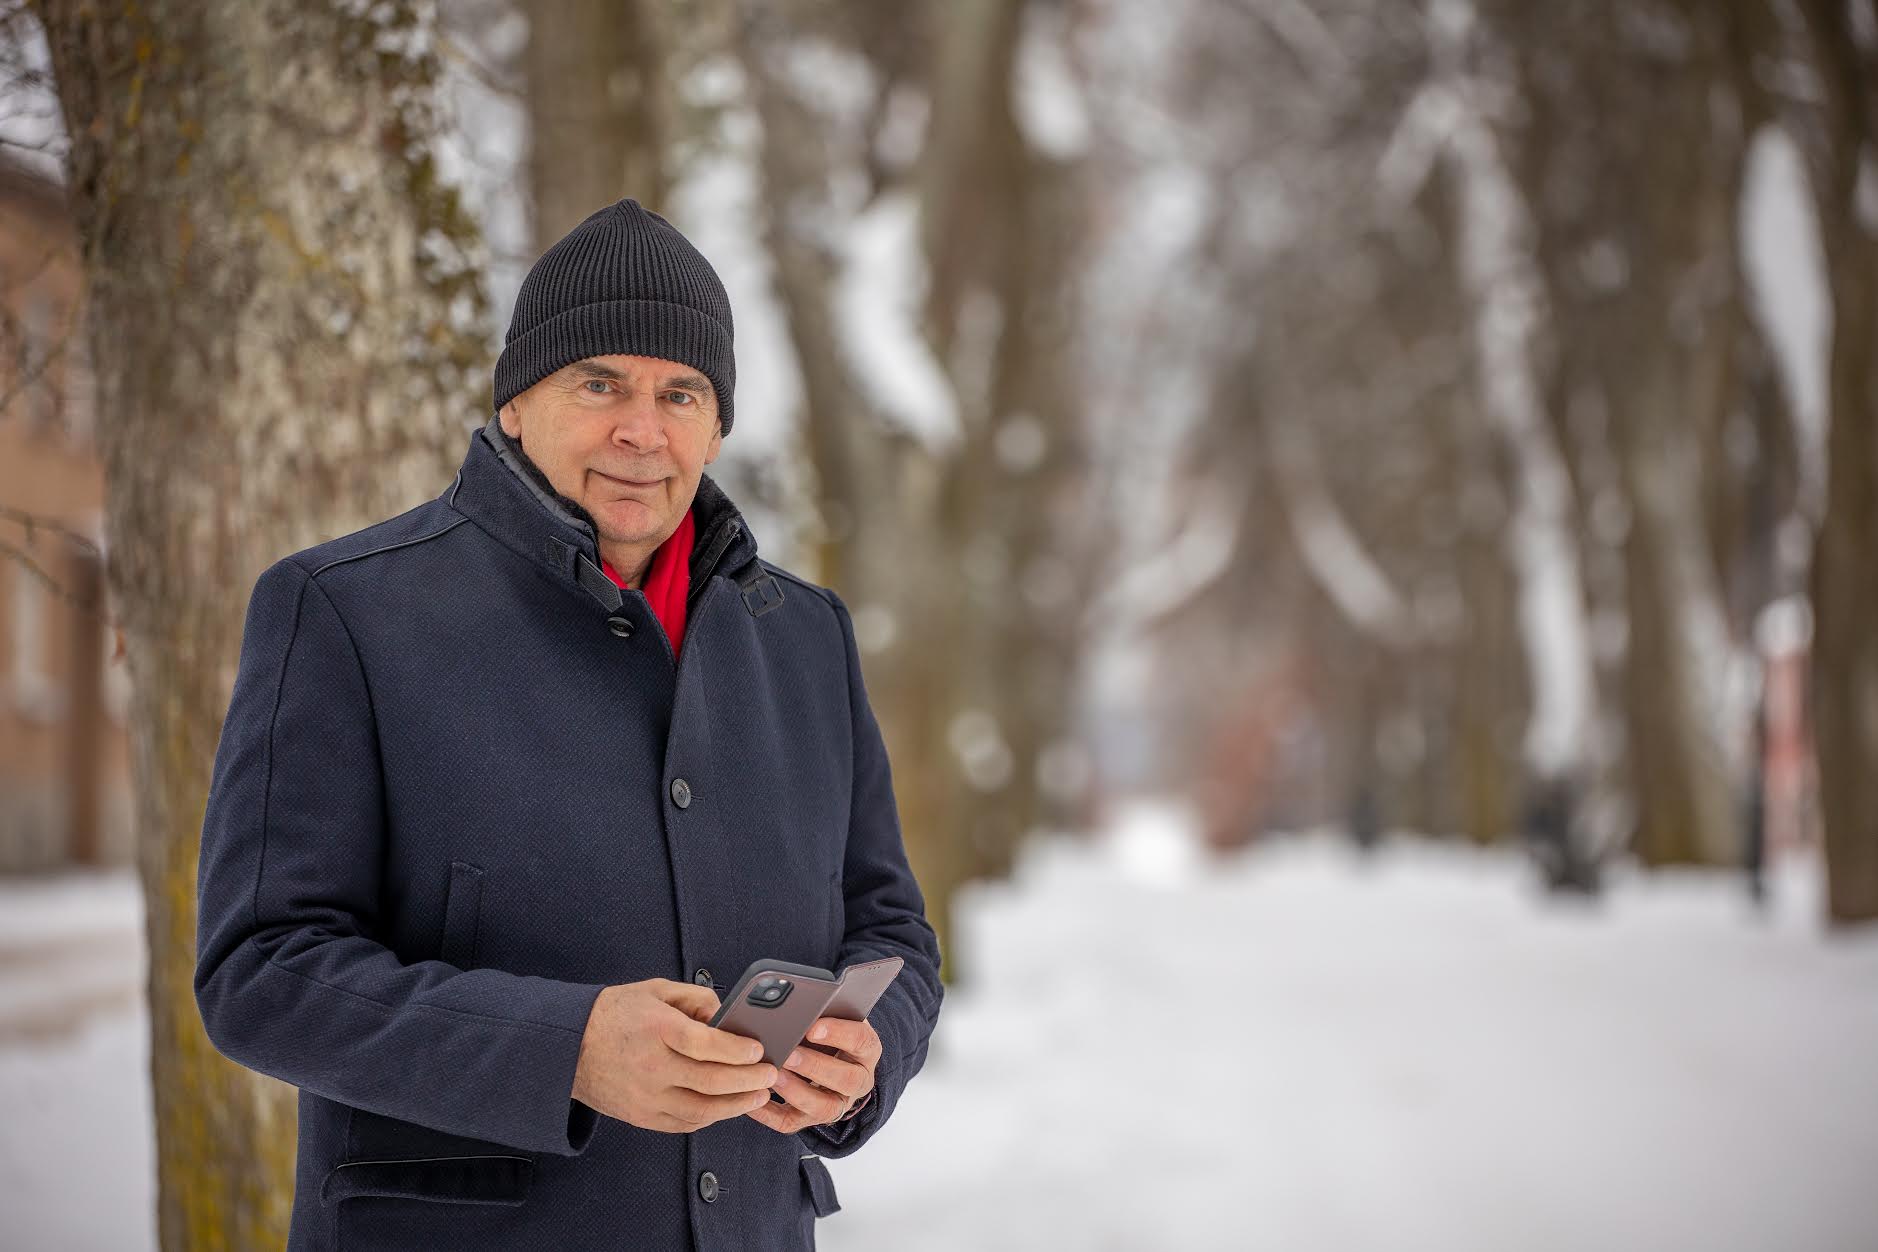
(648, 371)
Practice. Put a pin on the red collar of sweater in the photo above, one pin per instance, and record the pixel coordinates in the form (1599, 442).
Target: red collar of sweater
(668, 580)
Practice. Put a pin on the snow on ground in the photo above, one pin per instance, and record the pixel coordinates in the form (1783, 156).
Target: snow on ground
(1297, 1050)
(77, 1164)
(1290, 1048)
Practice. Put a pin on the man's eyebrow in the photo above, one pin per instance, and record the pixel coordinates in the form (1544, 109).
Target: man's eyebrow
(593, 369)
(581, 370)
(689, 382)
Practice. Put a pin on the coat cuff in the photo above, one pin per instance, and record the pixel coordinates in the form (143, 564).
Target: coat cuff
(571, 1004)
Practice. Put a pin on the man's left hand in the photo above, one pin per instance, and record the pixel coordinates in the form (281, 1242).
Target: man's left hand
(821, 1086)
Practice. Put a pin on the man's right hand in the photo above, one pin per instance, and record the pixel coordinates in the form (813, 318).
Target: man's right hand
(648, 1058)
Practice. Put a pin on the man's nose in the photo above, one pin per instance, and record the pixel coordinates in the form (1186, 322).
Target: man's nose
(641, 423)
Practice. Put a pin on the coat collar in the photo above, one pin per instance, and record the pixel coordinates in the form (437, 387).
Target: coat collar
(504, 492)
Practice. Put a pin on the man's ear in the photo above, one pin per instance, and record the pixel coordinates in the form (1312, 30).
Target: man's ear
(511, 420)
(717, 443)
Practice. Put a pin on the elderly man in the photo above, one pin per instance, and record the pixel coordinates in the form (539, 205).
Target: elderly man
(513, 784)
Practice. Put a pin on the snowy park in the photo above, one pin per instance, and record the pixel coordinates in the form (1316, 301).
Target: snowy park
(1314, 558)
(1296, 1046)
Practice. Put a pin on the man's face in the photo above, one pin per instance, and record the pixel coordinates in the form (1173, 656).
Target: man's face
(626, 437)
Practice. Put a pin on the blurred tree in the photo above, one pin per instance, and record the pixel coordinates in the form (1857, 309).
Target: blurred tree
(599, 105)
(287, 325)
(1618, 432)
(948, 485)
(1634, 231)
(1342, 415)
(1837, 120)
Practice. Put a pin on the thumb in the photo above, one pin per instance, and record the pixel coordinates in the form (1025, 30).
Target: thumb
(689, 998)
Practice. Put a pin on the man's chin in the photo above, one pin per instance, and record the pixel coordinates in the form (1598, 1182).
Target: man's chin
(639, 527)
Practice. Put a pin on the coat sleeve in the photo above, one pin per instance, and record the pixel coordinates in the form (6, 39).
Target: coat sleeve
(886, 916)
(291, 978)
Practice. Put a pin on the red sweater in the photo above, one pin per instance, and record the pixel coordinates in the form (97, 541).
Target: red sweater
(668, 580)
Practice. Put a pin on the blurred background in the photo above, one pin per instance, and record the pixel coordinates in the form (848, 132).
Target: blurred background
(1361, 517)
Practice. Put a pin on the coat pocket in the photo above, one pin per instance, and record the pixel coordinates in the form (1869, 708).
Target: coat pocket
(820, 1185)
(378, 1138)
(462, 910)
(494, 1179)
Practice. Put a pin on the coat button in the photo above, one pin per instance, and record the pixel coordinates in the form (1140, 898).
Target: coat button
(621, 626)
(702, 977)
(681, 793)
(707, 1186)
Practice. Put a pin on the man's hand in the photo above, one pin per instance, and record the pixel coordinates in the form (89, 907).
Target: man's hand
(822, 1085)
(648, 1058)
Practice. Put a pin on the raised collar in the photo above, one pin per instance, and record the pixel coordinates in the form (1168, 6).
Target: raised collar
(504, 493)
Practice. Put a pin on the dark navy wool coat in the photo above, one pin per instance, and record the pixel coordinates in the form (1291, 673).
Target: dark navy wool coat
(463, 785)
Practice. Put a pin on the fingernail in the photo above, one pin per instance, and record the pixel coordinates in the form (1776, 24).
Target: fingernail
(820, 1032)
(795, 1059)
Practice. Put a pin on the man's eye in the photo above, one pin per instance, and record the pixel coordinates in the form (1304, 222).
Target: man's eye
(597, 382)
(683, 395)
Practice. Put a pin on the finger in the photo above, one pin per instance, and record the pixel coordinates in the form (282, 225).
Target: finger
(699, 1110)
(780, 1118)
(847, 1077)
(851, 1036)
(819, 1103)
(708, 1043)
(699, 1003)
(714, 1078)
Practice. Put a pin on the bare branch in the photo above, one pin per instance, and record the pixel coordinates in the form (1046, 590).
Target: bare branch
(33, 372)
(453, 50)
(34, 522)
(57, 588)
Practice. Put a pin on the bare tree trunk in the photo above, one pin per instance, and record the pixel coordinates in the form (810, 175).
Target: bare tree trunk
(1489, 678)
(1642, 279)
(956, 551)
(85, 727)
(285, 316)
(599, 114)
(1004, 225)
(1843, 146)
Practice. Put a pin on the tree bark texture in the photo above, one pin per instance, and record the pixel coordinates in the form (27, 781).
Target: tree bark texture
(285, 314)
(599, 112)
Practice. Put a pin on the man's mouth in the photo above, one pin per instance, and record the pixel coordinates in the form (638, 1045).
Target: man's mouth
(631, 482)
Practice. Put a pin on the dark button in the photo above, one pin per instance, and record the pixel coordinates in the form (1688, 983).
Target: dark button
(702, 977)
(707, 1186)
(621, 626)
(681, 793)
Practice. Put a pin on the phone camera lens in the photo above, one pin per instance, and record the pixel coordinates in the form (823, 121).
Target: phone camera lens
(768, 991)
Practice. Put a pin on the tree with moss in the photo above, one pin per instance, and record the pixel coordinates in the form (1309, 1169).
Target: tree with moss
(286, 319)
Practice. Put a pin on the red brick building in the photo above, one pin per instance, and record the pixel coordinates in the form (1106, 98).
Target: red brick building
(64, 763)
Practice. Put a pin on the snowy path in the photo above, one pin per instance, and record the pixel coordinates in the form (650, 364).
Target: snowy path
(1287, 1051)
(1416, 1054)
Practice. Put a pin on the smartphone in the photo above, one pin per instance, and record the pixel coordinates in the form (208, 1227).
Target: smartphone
(775, 1002)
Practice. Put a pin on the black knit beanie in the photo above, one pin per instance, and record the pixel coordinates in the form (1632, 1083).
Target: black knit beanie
(624, 280)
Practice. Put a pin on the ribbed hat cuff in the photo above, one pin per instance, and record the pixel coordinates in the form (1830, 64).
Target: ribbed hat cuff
(659, 328)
